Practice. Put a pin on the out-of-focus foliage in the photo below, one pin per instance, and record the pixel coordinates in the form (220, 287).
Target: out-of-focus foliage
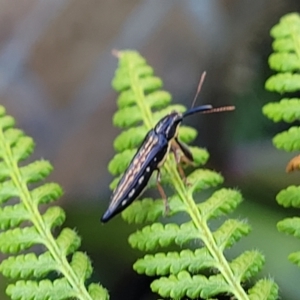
(286, 62)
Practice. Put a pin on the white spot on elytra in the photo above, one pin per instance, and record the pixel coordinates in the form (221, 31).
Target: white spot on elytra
(124, 202)
(141, 179)
(148, 169)
(131, 193)
(155, 158)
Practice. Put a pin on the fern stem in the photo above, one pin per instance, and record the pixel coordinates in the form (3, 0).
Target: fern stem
(37, 221)
(191, 207)
(205, 233)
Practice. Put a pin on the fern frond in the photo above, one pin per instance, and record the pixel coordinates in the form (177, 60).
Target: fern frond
(184, 270)
(286, 61)
(23, 226)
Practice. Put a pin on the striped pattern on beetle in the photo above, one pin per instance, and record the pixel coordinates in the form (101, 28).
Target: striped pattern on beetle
(150, 156)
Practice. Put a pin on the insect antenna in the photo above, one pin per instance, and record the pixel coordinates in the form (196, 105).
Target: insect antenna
(203, 75)
(200, 108)
(219, 109)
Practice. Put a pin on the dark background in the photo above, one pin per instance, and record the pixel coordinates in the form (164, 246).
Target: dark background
(55, 72)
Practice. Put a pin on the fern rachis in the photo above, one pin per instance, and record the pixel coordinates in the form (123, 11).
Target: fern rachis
(181, 273)
(23, 226)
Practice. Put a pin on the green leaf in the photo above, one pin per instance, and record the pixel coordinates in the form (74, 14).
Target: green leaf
(98, 292)
(187, 134)
(36, 171)
(59, 289)
(152, 236)
(82, 266)
(4, 171)
(288, 140)
(23, 148)
(295, 258)
(157, 99)
(202, 179)
(247, 265)
(290, 226)
(127, 116)
(68, 241)
(287, 110)
(53, 217)
(46, 193)
(8, 190)
(12, 135)
(183, 284)
(264, 289)
(230, 232)
(283, 83)
(284, 62)
(175, 262)
(221, 202)
(200, 155)
(27, 265)
(288, 25)
(130, 139)
(5, 123)
(15, 240)
(146, 210)
(14, 215)
(289, 197)
(284, 44)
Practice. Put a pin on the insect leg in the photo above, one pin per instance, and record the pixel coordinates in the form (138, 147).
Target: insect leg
(162, 192)
(177, 151)
(188, 156)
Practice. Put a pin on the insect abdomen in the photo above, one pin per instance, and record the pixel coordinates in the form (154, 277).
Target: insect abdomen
(136, 177)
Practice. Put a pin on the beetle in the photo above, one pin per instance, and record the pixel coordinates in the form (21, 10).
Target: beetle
(150, 156)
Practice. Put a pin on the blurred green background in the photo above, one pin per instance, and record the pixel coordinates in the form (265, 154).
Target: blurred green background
(55, 72)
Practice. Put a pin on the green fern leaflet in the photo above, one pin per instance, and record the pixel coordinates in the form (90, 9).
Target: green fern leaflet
(202, 272)
(23, 226)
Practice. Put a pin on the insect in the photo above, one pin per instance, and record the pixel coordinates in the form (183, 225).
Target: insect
(151, 155)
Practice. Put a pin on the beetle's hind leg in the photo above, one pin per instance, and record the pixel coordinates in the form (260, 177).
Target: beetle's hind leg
(162, 193)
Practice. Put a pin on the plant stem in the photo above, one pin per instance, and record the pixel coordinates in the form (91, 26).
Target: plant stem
(49, 241)
(191, 207)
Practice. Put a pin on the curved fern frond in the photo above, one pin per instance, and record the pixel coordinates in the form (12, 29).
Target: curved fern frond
(23, 225)
(203, 272)
(286, 61)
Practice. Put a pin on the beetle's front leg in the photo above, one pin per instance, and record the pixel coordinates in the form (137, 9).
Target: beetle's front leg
(162, 193)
